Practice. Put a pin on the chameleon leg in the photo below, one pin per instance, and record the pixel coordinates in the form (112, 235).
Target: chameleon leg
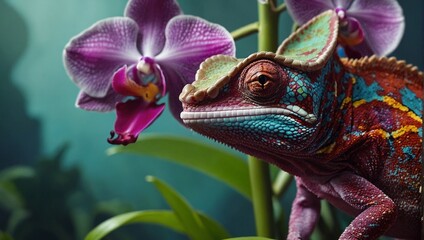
(304, 214)
(377, 210)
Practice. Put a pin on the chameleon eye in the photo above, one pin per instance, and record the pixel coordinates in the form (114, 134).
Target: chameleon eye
(261, 81)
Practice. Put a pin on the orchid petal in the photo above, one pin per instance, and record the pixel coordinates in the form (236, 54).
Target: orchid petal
(93, 56)
(345, 4)
(177, 83)
(382, 22)
(152, 17)
(304, 10)
(189, 41)
(104, 104)
(133, 116)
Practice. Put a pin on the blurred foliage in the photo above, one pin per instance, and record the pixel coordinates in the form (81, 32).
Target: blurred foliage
(47, 201)
(195, 155)
(219, 164)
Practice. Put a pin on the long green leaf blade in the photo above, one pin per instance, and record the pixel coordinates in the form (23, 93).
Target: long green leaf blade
(194, 226)
(217, 163)
(164, 218)
(161, 217)
(216, 229)
(15, 172)
(249, 238)
(5, 236)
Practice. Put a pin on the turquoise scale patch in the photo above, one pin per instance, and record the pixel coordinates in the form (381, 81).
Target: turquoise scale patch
(410, 100)
(362, 91)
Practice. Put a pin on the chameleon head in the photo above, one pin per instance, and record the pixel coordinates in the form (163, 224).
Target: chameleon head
(258, 106)
(266, 101)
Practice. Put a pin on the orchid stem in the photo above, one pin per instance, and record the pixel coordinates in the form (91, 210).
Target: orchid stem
(281, 183)
(268, 26)
(259, 170)
(294, 27)
(280, 8)
(254, 27)
(261, 197)
(245, 31)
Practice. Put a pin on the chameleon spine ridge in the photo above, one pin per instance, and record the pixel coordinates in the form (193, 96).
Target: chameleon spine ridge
(386, 63)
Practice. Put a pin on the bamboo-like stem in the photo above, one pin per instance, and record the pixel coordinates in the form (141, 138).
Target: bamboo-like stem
(280, 8)
(262, 197)
(245, 31)
(294, 27)
(268, 27)
(259, 170)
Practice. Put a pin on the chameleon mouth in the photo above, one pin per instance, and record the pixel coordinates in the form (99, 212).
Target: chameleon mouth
(246, 114)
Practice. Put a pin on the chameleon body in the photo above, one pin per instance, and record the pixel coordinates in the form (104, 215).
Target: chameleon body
(349, 130)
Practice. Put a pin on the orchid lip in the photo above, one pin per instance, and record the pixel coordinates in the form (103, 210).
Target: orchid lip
(121, 139)
(210, 116)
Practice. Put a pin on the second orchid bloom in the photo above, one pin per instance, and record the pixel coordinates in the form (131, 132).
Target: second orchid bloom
(129, 63)
(366, 27)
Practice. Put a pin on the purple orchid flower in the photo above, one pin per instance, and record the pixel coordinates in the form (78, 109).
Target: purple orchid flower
(129, 63)
(366, 27)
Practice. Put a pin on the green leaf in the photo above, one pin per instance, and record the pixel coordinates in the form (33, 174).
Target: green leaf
(218, 232)
(11, 198)
(16, 172)
(160, 217)
(328, 224)
(196, 227)
(16, 217)
(249, 238)
(217, 163)
(5, 236)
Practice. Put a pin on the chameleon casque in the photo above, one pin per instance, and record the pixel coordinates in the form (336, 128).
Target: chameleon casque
(350, 130)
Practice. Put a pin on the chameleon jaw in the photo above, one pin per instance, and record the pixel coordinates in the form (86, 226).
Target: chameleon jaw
(245, 114)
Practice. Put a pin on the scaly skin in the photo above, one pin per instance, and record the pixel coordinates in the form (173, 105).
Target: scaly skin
(349, 130)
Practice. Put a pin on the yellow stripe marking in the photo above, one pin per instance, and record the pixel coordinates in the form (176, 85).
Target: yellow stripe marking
(327, 149)
(383, 133)
(389, 101)
(415, 117)
(345, 102)
(359, 103)
(395, 104)
(403, 130)
(395, 134)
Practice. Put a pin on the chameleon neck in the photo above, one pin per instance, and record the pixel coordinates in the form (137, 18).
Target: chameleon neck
(330, 91)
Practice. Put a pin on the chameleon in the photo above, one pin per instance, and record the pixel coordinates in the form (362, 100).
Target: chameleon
(349, 130)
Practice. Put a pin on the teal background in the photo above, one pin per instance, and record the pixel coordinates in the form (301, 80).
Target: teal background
(38, 113)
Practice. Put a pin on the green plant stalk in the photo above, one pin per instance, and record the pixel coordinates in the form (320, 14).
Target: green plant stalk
(259, 170)
(245, 31)
(281, 183)
(281, 8)
(268, 26)
(261, 197)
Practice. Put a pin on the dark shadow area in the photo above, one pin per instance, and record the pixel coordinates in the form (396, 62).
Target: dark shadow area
(411, 48)
(50, 202)
(20, 134)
